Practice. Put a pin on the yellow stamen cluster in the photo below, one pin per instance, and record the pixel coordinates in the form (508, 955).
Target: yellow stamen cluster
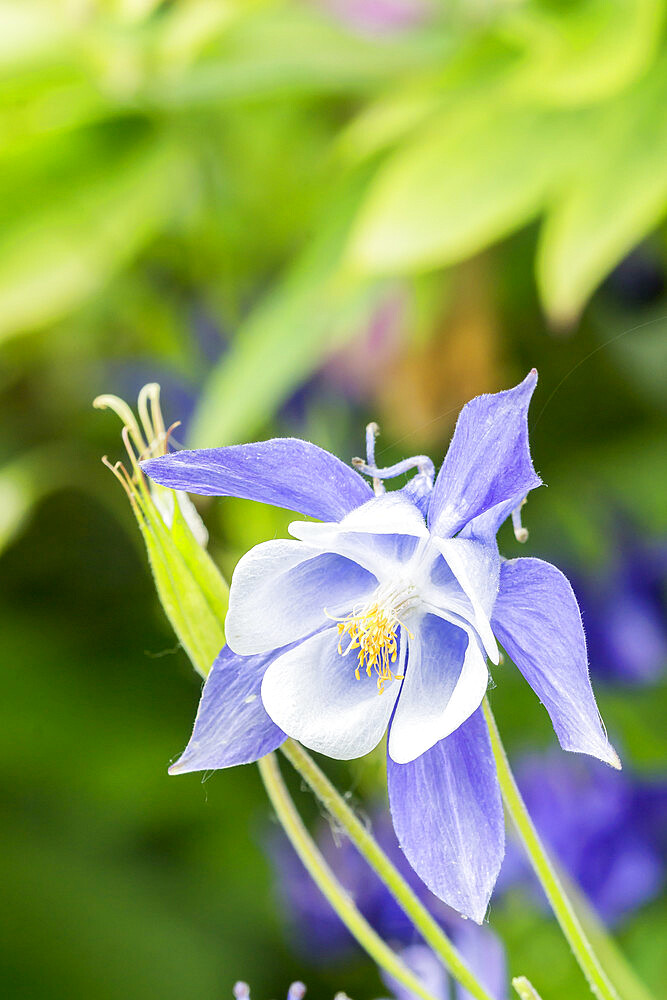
(373, 633)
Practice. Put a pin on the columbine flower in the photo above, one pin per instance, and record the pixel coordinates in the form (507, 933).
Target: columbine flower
(383, 617)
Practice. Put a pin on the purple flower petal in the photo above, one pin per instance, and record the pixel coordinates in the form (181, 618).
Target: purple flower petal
(283, 590)
(284, 472)
(232, 726)
(537, 620)
(488, 463)
(445, 681)
(448, 817)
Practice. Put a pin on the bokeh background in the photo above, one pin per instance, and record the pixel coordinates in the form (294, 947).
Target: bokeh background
(297, 217)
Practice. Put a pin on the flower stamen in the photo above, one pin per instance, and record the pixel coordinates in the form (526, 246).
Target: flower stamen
(373, 631)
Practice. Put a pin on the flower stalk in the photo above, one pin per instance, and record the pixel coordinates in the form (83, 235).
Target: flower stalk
(560, 903)
(525, 989)
(366, 844)
(327, 882)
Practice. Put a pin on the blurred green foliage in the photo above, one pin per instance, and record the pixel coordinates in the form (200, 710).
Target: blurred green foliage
(271, 158)
(296, 223)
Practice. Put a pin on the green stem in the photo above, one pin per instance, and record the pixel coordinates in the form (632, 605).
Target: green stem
(561, 905)
(335, 804)
(621, 973)
(525, 989)
(327, 882)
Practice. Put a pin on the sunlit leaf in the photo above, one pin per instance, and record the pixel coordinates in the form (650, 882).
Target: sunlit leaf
(315, 310)
(473, 175)
(616, 195)
(285, 49)
(584, 51)
(472, 65)
(51, 261)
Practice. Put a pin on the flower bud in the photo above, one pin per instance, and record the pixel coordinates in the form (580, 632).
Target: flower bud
(191, 589)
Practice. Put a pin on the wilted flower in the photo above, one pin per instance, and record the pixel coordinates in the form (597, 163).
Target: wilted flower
(411, 584)
(608, 831)
(319, 931)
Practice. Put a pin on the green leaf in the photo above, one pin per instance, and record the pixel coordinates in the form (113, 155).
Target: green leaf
(616, 195)
(475, 64)
(280, 48)
(24, 481)
(473, 175)
(315, 310)
(54, 259)
(583, 51)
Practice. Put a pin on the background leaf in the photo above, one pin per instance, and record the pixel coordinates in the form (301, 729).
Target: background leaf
(615, 195)
(472, 175)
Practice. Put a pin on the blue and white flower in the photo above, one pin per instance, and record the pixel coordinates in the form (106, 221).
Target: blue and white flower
(383, 617)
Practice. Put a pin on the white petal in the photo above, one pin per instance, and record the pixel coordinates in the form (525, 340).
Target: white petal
(445, 681)
(476, 567)
(312, 694)
(283, 590)
(390, 514)
(381, 535)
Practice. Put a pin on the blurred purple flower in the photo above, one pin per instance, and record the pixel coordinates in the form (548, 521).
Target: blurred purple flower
(608, 831)
(487, 960)
(379, 16)
(624, 611)
(318, 931)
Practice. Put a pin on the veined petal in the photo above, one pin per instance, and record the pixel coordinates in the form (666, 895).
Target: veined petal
(445, 680)
(488, 462)
(284, 472)
(537, 620)
(232, 726)
(312, 693)
(476, 567)
(282, 591)
(448, 817)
